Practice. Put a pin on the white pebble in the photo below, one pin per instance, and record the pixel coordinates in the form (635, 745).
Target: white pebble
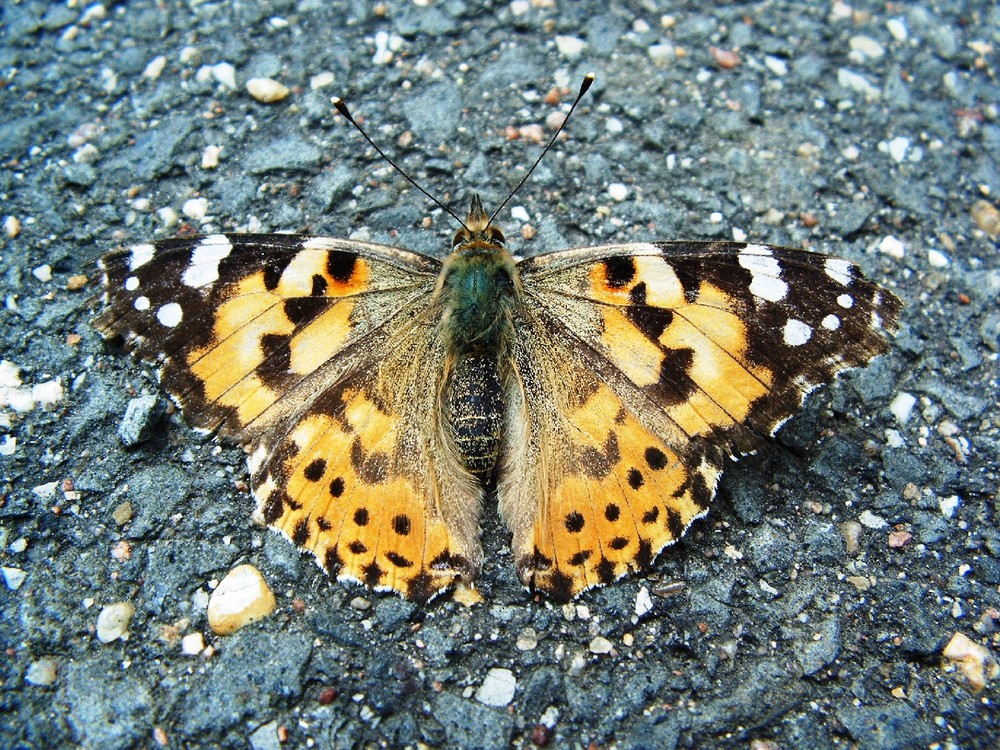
(937, 259)
(12, 226)
(662, 54)
(614, 126)
(19, 545)
(8, 445)
(948, 505)
(857, 82)
(520, 7)
(267, 90)
(600, 645)
(167, 216)
(155, 67)
(241, 598)
(850, 153)
(498, 688)
(643, 602)
(867, 47)
(192, 644)
(617, 191)
(210, 157)
(113, 621)
(43, 273)
(892, 247)
(776, 65)
(195, 208)
(570, 47)
(871, 521)
(225, 74)
(897, 148)
(41, 672)
(519, 213)
(13, 577)
(902, 406)
(897, 27)
(320, 80)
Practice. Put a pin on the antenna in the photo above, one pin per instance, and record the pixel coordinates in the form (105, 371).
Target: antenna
(587, 81)
(342, 108)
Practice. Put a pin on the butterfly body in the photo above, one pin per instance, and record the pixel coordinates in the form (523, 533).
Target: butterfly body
(380, 392)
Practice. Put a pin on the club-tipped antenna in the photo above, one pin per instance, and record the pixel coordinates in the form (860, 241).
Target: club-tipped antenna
(587, 81)
(342, 108)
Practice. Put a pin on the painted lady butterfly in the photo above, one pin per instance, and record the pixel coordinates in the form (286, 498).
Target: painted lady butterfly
(382, 393)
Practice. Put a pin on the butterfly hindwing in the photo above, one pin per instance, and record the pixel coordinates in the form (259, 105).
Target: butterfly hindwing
(680, 352)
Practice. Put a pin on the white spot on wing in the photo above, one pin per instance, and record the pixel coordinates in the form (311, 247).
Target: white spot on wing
(141, 303)
(846, 301)
(141, 254)
(170, 314)
(765, 273)
(838, 270)
(796, 332)
(131, 284)
(204, 267)
(831, 322)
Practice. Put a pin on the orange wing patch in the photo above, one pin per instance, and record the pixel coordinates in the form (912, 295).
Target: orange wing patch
(335, 486)
(619, 497)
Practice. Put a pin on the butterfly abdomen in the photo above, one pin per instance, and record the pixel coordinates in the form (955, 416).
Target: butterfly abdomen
(474, 410)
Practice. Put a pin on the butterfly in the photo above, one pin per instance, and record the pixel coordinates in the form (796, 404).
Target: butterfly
(383, 394)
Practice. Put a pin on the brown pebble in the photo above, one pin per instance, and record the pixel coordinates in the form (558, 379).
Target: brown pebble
(724, 58)
(986, 216)
(327, 696)
(123, 513)
(160, 737)
(76, 282)
(964, 299)
(899, 539)
(73, 339)
(552, 98)
(808, 219)
(541, 735)
(528, 232)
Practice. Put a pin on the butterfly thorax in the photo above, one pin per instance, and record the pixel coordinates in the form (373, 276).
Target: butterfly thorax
(478, 292)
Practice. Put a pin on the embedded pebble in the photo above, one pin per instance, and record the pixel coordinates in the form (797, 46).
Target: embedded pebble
(43, 273)
(861, 583)
(897, 28)
(867, 46)
(225, 74)
(986, 216)
(195, 208)
(467, 595)
(13, 577)
(11, 226)
(141, 417)
(321, 80)
(242, 597)
(897, 148)
(267, 90)
(41, 672)
(155, 67)
(776, 65)
(519, 213)
(527, 640)
(570, 47)
(498, 688)
(871, 521)
(937, 259)
(973, 660)
(617, 191)
(601, 645)
(899, 539)
(892, 247)
(192, 644)
(210, 157)
(857, 82)
(113, 621)
(643, 602)
(902, 406)
(662, 54)
(948, 505)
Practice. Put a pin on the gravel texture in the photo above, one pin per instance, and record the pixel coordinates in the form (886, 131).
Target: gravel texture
(834, 126)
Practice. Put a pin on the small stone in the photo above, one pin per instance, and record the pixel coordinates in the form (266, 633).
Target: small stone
(19, 545)
(113, 621)
(242, 597)
(643, 602)
(519, 213)
(122, 514)
(725, 58)
(43, 273)
(540, 735)
(467, 595)
(892, 247)
(210, 157)
(867, 46)
(225, 74)
(899, 539)
(11, 226)
(41, 673)
(872, 521)
(600, 645)
(662, 54)
(195, 208)
(973, 660)
(861, 583)
(986, 216)
(498, 688)
(570, 47)
(857, 83)
(154, 69)
(776, 65)
(898, 692)
(267, 90)
(76, 282)
(321, 80)
(141, 418)
(897, 28)
(902, 406)
(937, 259)
(360, 604)
(192, 644)
(13, 577)
(948, 505)
(617, 191)
(527, 640)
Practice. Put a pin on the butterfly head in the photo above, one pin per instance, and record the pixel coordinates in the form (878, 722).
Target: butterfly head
(478, 230)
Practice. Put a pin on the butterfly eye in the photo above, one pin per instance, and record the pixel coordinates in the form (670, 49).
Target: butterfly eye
(460, 236)
(496, 236)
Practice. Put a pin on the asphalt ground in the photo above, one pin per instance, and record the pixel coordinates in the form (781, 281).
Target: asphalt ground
(812, 605)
